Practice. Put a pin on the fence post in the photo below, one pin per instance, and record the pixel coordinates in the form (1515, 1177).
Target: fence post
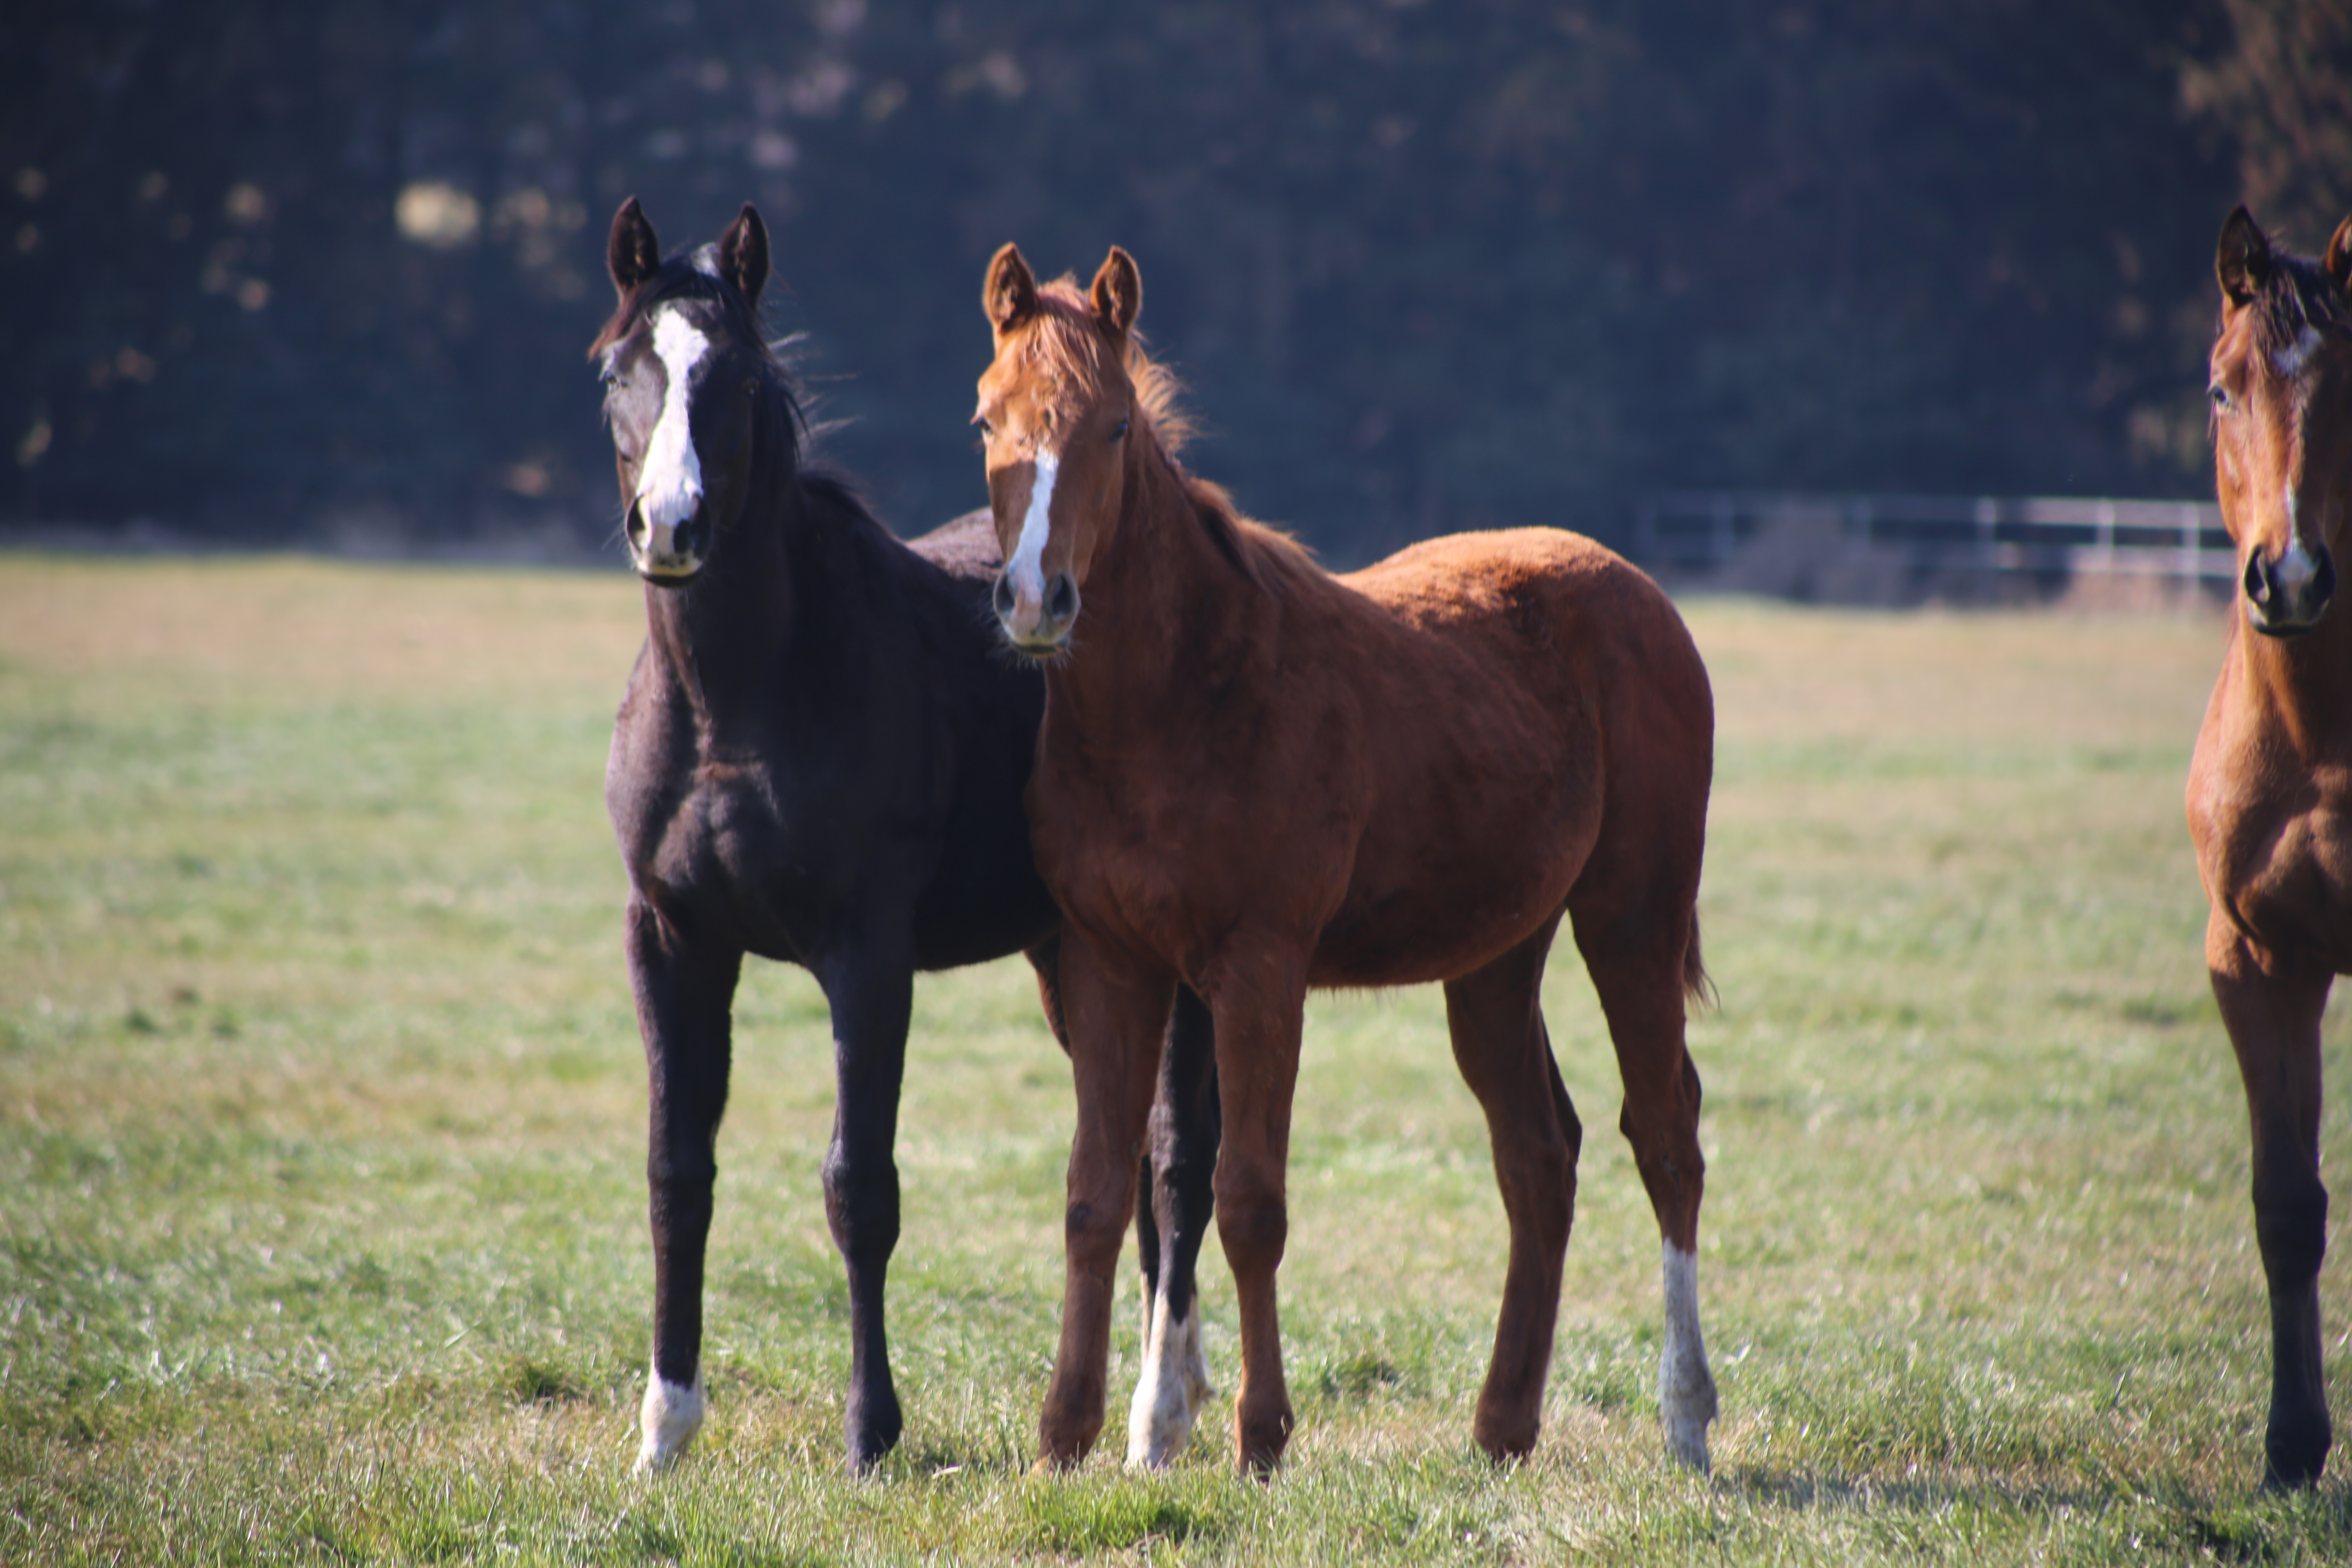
(2192, 551)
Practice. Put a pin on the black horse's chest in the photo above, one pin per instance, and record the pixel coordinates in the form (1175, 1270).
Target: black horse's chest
(735, 851)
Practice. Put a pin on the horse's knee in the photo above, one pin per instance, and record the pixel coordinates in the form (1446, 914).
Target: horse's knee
(1091, 1231)
(861, 1204)
(1254, 1222)
(2291, 1226)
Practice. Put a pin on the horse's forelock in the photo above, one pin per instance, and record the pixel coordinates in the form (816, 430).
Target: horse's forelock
(2297, 296)
(1068, 340)
(681, 279)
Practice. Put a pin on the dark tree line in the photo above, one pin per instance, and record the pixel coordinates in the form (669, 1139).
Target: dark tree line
(1424, 265)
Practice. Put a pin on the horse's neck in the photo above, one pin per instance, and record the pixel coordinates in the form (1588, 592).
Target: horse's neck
(1161, 604)
(721, 638)
(2303, 685)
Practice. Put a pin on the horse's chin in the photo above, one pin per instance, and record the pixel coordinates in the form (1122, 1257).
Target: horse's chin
(2283, 631)
(667, 573)
(1038, 653)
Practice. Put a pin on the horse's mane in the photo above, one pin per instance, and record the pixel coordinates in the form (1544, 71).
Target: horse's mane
(1065, 342)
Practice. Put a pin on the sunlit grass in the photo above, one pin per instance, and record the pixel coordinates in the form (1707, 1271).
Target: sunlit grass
(322, 1157)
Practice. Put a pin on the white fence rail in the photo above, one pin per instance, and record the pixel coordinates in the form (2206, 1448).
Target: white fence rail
(2047, 536)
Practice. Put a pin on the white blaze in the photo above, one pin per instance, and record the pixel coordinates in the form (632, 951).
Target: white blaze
(670, 1416)
(1027, 566)
(669, 486)
(1686, 1388)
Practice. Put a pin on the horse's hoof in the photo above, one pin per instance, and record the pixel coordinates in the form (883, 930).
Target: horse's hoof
(2295, 1460)
(1156, 1433)
(870, 1431)
(1260, 1443)
(668, 1419)
(1687, 1446)
(1168, 1397)
(1505, 1451)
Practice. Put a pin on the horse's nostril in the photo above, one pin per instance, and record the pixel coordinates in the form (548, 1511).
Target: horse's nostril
(1062, 602)
(2323, 582)
(1002, 598)
(2258, 582)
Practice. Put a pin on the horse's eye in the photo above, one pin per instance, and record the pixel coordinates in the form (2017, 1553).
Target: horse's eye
(987, 431)
(2220, 396)
(1120, 434)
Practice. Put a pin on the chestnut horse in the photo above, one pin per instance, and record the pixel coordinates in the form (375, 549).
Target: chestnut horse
(1254, 778)
(820, 759)
(2270, 790)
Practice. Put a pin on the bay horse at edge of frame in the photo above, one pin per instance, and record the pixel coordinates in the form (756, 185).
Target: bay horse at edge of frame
(820, 759)
(2270, 787)
(1255, 777)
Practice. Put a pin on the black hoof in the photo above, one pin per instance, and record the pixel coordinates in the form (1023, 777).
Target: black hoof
(871, 1430)
(2292, 1460)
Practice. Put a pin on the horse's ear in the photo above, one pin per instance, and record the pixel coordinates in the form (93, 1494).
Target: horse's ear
(1118, 290)
(1009, 295)
(2242, 259)
(633, 254)
(2339, 258)
(743, 255)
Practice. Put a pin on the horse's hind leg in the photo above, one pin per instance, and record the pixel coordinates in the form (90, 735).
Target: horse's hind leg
(1504, 1055)
(1172, 1218)
(2273, 1024)
(1638, 968)
(871, 994)
(683, 997)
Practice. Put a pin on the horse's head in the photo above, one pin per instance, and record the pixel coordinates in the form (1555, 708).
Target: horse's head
(1057, 407)
(2281, 394)
(690, 387)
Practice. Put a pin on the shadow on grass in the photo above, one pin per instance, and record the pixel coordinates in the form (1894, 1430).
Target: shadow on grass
(2255, 1527)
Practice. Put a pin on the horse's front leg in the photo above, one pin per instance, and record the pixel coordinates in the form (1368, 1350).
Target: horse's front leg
(2273, 1024)
(683, 993)
(1114, 1012)
(870, 991)
(1171, 1218)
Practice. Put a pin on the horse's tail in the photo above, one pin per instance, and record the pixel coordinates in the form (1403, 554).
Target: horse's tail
(1697, 984)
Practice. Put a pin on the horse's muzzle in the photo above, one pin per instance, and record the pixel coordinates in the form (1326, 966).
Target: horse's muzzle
(668, 555)
(2285, 596)
(1041, 628)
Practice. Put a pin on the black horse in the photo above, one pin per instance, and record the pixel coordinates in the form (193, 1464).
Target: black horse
(820, 759)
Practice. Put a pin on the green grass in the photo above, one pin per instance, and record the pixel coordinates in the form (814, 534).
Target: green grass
(321, 1203)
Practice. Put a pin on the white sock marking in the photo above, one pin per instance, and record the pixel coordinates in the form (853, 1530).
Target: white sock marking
(1173, 1385)
(668, 1419)
(1686, 1388)
(669, 484)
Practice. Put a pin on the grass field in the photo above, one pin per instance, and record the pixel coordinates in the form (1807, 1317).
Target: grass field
(322, 1196)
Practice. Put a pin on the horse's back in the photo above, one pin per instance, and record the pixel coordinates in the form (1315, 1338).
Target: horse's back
(1552, 608)
(962, 547)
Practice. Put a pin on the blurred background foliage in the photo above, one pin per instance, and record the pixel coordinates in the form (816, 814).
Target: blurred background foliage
(272, 268)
